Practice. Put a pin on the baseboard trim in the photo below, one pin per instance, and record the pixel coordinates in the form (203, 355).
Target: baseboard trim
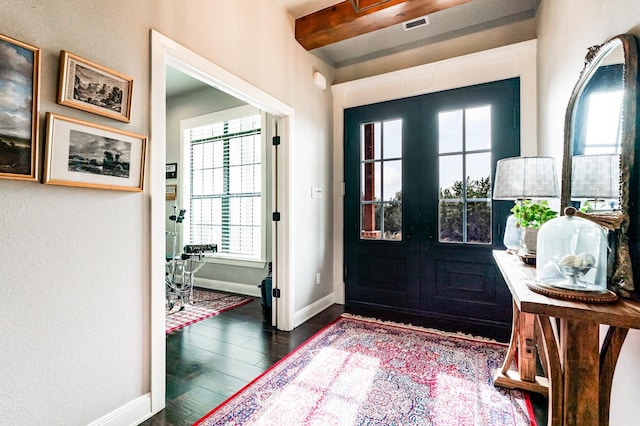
(311, 310)
(132, 413)
(231, 287)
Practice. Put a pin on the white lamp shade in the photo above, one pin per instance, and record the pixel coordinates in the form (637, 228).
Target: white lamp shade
(595, 176)
(526, 177)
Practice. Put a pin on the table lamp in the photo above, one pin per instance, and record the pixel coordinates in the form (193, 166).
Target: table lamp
(597, 178)
(521, 178)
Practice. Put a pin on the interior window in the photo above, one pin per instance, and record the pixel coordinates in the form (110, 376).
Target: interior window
(225, 190)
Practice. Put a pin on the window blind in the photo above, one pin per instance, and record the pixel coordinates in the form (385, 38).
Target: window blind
(226, 184)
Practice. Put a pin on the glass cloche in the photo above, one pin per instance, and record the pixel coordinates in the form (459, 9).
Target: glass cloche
(572, 254)
(512, 235)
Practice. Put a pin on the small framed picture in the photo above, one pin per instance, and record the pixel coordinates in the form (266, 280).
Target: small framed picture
(172, 170)
(91, 87)
(19, 86)
(84, 154)
(171, 191)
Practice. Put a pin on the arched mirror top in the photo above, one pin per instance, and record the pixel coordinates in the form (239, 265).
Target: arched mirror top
(599, 140)
(600, 121)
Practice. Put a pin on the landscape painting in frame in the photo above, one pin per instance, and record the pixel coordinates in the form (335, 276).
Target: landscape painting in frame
(80, 153)
(91, 87)
(19, 81)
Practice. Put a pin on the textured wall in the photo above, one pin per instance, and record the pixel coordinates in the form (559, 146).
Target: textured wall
(75, 262)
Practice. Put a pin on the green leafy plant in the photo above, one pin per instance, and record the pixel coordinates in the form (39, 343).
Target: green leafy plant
(531, 214)
(586, 207)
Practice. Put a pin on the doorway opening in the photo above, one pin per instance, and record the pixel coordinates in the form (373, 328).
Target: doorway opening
(169, 55)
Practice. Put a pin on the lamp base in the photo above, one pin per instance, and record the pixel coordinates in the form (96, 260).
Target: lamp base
(527, 257)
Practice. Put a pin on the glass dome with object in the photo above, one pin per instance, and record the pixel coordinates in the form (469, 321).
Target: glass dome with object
(572, 254)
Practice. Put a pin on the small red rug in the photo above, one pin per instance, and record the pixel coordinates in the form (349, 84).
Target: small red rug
(364, 372)
(206, 303)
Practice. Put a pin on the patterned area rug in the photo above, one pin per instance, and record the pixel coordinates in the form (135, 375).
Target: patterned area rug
(206, 303)
(364, 372)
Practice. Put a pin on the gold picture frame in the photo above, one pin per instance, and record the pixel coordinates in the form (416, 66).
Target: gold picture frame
(19, 151)
(171, 191)
(83, 154)
(93, 88)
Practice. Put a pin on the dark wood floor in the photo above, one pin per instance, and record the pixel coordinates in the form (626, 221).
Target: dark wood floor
(209, 361)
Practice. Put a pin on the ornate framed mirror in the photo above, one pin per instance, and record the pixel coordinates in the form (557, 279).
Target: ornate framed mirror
(599, 148)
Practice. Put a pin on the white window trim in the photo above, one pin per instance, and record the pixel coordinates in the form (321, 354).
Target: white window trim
(202, 120)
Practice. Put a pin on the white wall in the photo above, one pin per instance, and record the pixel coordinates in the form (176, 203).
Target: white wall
(75, 262)
(566, 28)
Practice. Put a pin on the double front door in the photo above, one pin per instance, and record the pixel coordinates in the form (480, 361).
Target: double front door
(420, 223)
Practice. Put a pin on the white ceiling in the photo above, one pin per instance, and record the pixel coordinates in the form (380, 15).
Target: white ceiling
(179, 83)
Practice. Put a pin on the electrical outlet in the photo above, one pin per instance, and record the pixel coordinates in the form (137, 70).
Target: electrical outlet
(316, 192)
(318, 278)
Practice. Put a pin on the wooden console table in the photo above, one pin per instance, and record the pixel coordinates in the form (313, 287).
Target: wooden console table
(565, 336)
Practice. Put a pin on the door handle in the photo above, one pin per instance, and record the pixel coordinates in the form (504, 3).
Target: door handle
(411, 229)
(428, 230)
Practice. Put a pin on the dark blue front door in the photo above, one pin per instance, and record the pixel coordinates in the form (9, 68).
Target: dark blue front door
(420, 224)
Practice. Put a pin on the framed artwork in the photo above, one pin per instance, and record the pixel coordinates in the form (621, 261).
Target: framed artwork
(91, 87)
(89, 155)
(19, 86)
(171, 170)
(171, 191)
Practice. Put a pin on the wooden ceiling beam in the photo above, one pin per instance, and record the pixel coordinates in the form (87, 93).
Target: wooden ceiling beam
(340, 21)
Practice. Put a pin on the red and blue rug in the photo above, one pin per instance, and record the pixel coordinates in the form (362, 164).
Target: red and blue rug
(206, 303)
(364, 372)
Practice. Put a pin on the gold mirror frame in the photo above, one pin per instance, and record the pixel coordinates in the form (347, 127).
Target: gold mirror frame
(621, 280)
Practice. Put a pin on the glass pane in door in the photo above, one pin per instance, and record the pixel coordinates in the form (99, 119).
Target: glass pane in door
(479, 222)
(381, 180)
(392, 216)
(478, 128)
(392, 190)
(450, 131)
(465, 175)
(478, 194)
(450, 214)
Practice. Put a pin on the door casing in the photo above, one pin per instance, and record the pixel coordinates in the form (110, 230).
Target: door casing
(165, 51)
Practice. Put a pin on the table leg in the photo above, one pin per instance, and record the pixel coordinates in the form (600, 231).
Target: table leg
(527, 348)
(523, 342)
(550, 358)
(581, 365)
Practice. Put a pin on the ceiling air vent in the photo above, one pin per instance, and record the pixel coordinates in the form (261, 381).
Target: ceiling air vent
(416, 23)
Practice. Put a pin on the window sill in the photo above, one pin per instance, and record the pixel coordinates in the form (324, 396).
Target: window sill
(220, 260)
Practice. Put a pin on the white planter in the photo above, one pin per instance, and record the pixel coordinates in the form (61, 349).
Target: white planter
(530, 239)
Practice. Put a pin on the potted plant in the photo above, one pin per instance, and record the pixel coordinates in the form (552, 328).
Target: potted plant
(530, 216)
